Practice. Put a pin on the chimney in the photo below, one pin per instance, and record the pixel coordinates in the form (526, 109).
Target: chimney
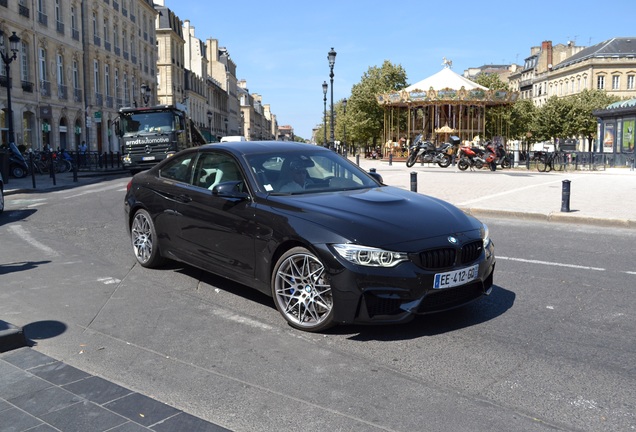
(546, 47)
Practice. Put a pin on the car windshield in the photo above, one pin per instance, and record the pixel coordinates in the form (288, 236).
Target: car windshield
(306, 172)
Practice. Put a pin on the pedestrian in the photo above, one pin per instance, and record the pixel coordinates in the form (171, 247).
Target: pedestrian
(82, 153)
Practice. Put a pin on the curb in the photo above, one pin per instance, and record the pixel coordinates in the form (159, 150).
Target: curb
(11, 337)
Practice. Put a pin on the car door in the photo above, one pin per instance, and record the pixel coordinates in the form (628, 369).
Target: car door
(217, 232)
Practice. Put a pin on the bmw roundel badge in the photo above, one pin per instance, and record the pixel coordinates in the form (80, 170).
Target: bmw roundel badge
(452, 240)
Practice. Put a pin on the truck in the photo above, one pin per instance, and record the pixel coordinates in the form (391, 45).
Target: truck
(148, 135)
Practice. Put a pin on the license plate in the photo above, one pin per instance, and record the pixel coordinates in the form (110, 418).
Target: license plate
(147, 158)
(455, 277)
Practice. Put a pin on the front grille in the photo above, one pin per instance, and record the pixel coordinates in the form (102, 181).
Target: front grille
(448, 298)
(471, 251)
(438, 258)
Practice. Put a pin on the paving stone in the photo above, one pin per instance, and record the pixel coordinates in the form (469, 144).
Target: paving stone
(59, 373)
(45, 401)
(184, 422)
(15, 420)
(142, 409)
(83, 417)
(97, 390)
(26, 358)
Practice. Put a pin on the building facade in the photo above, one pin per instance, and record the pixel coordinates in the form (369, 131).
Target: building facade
(78, 63)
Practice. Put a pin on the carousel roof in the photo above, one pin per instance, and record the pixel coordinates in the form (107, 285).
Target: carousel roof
(445, 79)
(446, 87)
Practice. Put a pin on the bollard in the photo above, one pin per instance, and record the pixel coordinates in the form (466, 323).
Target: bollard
(390, 158)
(413, 181)
(565, 196)
(358, 159)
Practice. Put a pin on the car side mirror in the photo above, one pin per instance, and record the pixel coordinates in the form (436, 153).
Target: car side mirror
(230, 189)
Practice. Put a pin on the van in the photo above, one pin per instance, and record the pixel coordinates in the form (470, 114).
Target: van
(233, 138)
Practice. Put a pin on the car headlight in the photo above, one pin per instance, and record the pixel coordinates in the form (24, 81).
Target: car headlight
(369, 256)
(485, 234)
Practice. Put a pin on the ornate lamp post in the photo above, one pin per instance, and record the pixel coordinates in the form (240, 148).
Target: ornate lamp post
(7, 58)
(324, 112)
(210, 123)
(145, 93)
(331, 56)
(344, 124)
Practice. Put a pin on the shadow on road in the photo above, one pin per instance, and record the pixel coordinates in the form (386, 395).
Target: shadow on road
(20, 266)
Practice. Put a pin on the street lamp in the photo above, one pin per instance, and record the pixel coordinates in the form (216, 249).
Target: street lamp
(7, 58)
(145, 93)
(344, 124)
(331, 56)
(324, 113)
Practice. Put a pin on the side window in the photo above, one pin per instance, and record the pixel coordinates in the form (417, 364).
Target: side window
(177, 168)
(214, 168)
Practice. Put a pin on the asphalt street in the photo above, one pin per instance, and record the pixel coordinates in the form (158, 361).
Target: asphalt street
(34, 387)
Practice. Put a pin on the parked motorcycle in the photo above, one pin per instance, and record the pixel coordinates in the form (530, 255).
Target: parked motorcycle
(496, 155)
(427, 152)
(470, 157)
(18, 166)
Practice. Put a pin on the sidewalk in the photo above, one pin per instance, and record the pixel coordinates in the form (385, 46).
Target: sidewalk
(603, 198)
(44, 182)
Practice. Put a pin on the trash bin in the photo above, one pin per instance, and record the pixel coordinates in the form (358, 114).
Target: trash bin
(4, 164)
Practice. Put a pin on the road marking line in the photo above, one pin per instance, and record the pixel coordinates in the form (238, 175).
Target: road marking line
(102, 189)
(24, 235)
(551, 263)
(109, 280)
(487, 197)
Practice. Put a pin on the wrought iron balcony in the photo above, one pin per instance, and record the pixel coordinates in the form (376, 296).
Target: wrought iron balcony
(60, 27)
(99, 99)
(75, 34)
(45, 88)
(62, 91)
(24, 11)
(43, 19)
(77, 95)
(27, 86)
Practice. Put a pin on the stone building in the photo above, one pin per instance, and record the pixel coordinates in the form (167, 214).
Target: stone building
(78, 63)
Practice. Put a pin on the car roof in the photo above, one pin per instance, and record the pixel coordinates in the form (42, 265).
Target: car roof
(255, 147)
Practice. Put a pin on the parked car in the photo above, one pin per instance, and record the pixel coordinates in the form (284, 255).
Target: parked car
(1, 193)
(328, 241)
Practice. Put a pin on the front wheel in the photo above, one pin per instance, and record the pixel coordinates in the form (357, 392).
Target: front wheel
(143, 237)
(505, 163)
(463, 164)
(17, 171)
(445, 162)
(541, 165)
(411, 160)
(302, 291)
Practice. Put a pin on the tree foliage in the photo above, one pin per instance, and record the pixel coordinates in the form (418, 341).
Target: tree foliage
(365, 117)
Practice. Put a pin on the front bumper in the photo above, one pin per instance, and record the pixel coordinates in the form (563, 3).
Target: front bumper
(366, 295)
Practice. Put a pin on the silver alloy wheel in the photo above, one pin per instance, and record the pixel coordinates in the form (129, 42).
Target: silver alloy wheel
(302, 292)
(142, 238)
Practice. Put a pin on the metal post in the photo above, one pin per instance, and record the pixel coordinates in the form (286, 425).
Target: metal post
(324, 112)
(358, 159)
(413, 181)
(390, 158)
(565, 196)
(331, 56)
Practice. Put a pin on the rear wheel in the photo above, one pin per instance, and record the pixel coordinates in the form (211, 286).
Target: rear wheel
(302, 291)
(558, 162)
(505, 162)
(479, 164)
(143, 237)
(541, 164)
(445, 162)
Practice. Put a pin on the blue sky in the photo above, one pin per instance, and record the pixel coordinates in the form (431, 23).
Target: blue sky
(280, 47)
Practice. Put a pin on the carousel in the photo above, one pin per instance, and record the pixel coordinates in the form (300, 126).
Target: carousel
(442, 105)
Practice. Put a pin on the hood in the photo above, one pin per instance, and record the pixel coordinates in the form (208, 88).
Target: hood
(380, 216)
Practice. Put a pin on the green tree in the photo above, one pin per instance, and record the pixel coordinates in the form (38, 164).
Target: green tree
(365, 117)
(498, 118)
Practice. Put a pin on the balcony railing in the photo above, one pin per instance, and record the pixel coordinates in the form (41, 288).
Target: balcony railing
(60, 27)
(99, 99)
(43, 19)
(4, 3)
(132, 17)
(107, 45)
(116, 5)
(117, 50)
(97, 40)
(120, 102)
(126, 55)
(27, 86)
(4, 82)
(62, 91)
(109, 101)
(77, 95)
(75, 34)
(133, 58)
(45, 88)
(124, 11)
(23, 10)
